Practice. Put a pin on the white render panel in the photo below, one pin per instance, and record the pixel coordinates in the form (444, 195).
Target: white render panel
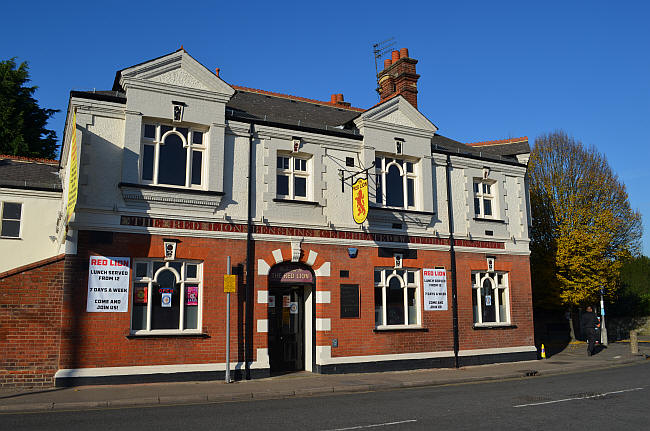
(263, 268)
(324, 270)
(262, 296)
(277, 255)
(38, 236)
(311, 258)
(323, 324)
(262, 325)
(323, 297)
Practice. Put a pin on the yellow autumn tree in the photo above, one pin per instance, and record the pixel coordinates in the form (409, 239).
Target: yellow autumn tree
(583, 226)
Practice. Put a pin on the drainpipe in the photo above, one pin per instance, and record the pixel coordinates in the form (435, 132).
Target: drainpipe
(452, 256)
(250, 256)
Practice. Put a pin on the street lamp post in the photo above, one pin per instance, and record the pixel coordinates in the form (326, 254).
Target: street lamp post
(603, 328)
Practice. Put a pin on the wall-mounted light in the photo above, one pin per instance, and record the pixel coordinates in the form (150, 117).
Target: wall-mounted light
(352, 252)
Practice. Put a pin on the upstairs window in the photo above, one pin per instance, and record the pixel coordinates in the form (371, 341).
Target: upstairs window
(395, 182)
(292, 178)
(484, 198)
(172, 156)
(11, 213)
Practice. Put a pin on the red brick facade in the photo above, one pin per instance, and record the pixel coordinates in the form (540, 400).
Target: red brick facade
(45, 326)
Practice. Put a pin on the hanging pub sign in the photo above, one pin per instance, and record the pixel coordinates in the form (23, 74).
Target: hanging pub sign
(108, 284)
(435, 289)
(360, 200)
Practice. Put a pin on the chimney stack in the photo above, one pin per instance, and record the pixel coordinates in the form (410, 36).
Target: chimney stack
(337, 99)
(399, 77)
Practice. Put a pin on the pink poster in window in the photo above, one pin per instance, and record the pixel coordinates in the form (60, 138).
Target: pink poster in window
(192, 295)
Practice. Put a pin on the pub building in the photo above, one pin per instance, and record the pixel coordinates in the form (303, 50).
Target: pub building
(360, 239)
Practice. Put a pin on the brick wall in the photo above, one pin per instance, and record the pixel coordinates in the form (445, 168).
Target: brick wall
(30, 316)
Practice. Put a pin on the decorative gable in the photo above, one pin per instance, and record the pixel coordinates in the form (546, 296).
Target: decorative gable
(175, 73)
(179, 77)
(396, 113)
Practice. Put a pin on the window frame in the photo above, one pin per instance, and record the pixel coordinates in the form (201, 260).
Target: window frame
(480, 196)
(183, 279)
(381, 174)
(478, 279)
(292, 173)
(384, 284)
(19, 220)
(188, 145)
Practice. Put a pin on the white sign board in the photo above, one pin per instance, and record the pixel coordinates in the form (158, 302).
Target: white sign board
(108, 284)
(435, 289)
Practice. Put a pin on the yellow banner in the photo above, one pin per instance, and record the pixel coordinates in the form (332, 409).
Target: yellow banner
(360, 200)
(74, 172)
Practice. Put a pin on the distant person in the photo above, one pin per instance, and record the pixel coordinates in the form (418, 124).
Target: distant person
(589, 322)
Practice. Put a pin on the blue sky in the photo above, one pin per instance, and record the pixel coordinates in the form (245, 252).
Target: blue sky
(489, 70)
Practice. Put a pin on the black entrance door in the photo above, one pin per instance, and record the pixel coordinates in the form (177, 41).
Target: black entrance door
(286, 329)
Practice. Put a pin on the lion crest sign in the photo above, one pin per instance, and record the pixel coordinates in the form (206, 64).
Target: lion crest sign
(360, 200)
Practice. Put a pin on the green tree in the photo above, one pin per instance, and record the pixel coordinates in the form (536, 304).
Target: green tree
(22, 122)
(583, 226)
(633, 298)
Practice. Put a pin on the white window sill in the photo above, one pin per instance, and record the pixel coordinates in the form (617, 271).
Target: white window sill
(493, 325)
(382, 328)
(167, 333)
(10, 237)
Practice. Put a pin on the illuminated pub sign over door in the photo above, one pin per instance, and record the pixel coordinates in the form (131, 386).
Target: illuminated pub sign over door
(290, 273)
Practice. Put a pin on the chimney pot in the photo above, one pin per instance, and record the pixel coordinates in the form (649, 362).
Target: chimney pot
(387, 63)
(334, 98)
(216, 71)
(403, 53)
(395, 55)
(339, 97)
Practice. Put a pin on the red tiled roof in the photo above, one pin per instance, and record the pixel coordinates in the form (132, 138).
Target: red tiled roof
(29, 159)
(498, 142)
(288, 96)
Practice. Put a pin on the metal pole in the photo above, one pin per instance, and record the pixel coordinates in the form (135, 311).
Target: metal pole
(228, 325)
(603, 329)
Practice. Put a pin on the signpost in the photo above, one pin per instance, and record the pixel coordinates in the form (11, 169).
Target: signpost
(603, 329)
(229, 286)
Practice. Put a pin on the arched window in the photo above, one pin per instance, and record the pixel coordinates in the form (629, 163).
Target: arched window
(166, 296)
(397, 298)
(490, 302)
(395, 182)
(172, 156)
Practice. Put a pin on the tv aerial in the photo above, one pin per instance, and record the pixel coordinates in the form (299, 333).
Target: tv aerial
(378, 51)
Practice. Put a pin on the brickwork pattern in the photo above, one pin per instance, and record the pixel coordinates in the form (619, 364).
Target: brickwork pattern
(30, 318)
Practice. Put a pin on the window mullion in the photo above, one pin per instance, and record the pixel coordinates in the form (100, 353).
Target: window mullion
(181, 315)
(405, 292)
(188, 166)
(156, 156)
(149, 305)
(479, 301)
(384, 304)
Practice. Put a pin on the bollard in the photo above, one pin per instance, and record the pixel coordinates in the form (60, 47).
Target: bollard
(634, 343)
(543, 352)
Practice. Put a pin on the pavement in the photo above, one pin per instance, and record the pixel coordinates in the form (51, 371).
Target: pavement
(572, 358)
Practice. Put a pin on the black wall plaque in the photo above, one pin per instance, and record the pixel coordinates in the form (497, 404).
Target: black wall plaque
(349, 301)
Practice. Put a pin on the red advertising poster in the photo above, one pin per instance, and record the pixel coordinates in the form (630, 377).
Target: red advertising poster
(140, 296)
(191, 295)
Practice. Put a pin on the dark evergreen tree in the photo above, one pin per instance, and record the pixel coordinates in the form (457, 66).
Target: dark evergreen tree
(23, 123)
